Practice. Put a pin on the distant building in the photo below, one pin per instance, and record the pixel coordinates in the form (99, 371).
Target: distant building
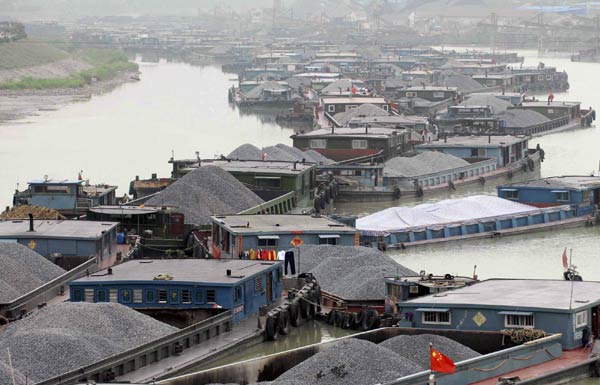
(234, 234)
(185, 291)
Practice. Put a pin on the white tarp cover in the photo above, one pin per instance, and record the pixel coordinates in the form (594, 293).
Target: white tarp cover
(441, 213)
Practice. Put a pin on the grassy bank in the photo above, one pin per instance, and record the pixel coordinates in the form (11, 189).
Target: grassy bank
(28, 53)
(106, 64)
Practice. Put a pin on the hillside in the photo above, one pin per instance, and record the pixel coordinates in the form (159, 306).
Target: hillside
(24, 53)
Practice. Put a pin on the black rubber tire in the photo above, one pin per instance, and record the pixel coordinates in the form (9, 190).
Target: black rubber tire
(370, 319)
(271, 329)
(339, 318)
(331, 317)
(346, 319)
(304, 308)
(318, 297)
(283, 322)
(312, 310)
(294, 313)
(359, 319)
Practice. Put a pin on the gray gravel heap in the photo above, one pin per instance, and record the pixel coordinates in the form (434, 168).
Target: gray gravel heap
(464, 83)
(416, 348)
(428, 162)
(23, 270)
(63, 337)
(498, 105)
(204, 192)
(348, 271)
(349, 362)
(280, 152)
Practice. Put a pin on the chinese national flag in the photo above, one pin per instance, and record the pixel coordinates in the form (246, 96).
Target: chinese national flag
(439, 362)
(564, 259)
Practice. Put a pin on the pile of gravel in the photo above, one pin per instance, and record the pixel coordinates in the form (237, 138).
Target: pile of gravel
(348, 271)
(63, 337)
(23, 270)
(427, 162)
(416, 348)
(204, 192)
(351, 361)
(279, 152)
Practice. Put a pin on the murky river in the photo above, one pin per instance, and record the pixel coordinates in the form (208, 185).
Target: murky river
(177, 107)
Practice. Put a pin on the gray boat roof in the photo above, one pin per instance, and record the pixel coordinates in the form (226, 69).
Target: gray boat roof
(182, 270)
(567, 181)
(62, 229)
(281, 224)
(474, 141)
(517, 294)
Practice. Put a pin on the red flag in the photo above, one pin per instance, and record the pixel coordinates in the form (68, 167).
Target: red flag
(564, 259)
(439, 362)
(353, 90)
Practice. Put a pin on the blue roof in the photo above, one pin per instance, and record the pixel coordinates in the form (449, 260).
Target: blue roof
(55, 181)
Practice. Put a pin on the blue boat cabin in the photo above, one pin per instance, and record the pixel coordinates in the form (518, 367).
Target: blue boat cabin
(582, 193)
(202, 287)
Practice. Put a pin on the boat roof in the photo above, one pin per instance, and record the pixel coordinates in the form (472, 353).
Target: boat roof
(517, 295)
(355, 99)
(62, 229)
(475, 141)
(281, 224)
(567, 182)
(187, 270)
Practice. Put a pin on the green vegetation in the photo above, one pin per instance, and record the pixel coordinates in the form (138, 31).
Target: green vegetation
(106, 64)
(28, 53)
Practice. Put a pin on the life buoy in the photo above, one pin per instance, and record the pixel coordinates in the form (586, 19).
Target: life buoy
(531, 164)
(448, 276)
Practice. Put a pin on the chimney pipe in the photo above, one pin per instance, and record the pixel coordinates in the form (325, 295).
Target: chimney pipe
(153, 175)
(489, 139)
(228, 272)
(109, 271)
(31, 222)
(446, 138)
(367, 129)
(295, 164)
(332, 129)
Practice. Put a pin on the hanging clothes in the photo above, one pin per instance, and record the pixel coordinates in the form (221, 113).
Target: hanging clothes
(281, 255)
(272, 255)
(289, 260)
(252, 254)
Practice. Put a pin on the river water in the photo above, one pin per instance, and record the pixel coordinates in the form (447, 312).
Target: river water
(182, 109)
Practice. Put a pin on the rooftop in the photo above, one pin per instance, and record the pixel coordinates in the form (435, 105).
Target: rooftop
(358, 132)
(568, 181)
(182, 270)
(272, 224)
(356, 99)
(519, 294)
(266, 167)
(54, 229)
(475, 141)
(55, 181)
(123, 210)
(555, 104)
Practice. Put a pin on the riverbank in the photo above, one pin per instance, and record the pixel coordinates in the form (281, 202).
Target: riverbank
(20, 103)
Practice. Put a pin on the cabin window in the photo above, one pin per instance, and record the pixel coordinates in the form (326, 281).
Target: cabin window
(328, 239)
(491, 82)
(436, 318)
(562, 196)
(162, 296)
(77, 295)
(113, 295)
(478, 152)
(88, 295)
(540, 78)
(210, 296)
(138, 296)
(511, 194)
(587, 196)
(359, 144)
(186, 296)
(550, 111)
(581, 319)
(318, 143)
(527, 78)
(237, 294)
(438, 95)
(548, 77)
(126, 295)
(267, 242)
(351, 107)
(413, 289)
(101, 296)
(411, 94)
(331, 108)
(199, 296)
(258, 285)
(150, 296)
(385, 107)
(175, 296)
(268, 181)
(518, 321)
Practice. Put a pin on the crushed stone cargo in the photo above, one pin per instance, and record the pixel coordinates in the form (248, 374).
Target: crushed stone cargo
(204, 192)
(351, 361)
(416, 348)
(23, 270)
(428, 162)
(38, 212)
(353, 273)
(63, 337)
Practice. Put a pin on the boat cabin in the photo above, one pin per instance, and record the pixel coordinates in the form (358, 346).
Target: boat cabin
(178, 291)
(571, 308)
(430, 93)
(580, 192)
(504, 148)
(233, 235)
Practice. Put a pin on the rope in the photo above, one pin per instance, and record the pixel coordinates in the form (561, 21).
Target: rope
(549, 353)
(525, 358)
(492, 369)
(519, 336)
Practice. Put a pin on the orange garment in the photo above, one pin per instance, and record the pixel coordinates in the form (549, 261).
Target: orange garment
(251, 254)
